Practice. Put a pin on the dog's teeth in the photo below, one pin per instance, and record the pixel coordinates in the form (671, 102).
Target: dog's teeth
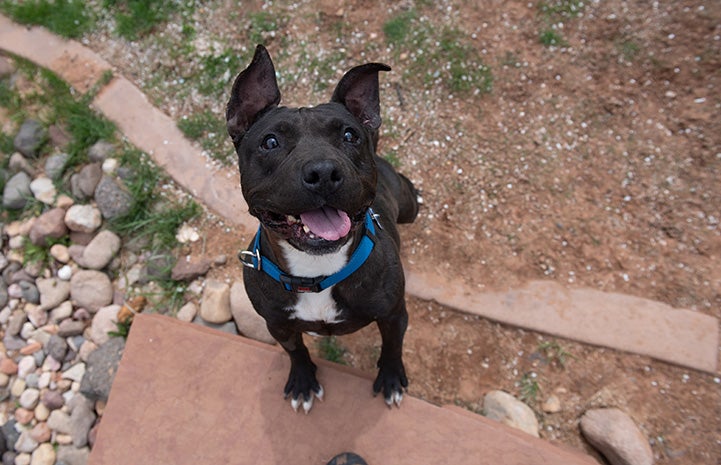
(290, 219)
(319, 394)
(295, 403)
(306, 229)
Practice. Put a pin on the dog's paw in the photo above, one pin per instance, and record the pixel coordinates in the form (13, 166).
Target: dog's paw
(302, 387)
(307, 400)
(392, 382)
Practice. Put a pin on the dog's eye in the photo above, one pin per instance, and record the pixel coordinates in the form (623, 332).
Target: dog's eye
(350, 136)
(270, 142)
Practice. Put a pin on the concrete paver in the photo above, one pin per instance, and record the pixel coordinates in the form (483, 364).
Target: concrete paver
(77, 65)
(155, 132)
(633, 324)
(185, 394)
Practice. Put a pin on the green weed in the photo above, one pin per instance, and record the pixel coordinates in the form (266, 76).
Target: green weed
(217, 71)
(529, 388)
(84, 125)
(553, 12)
(330, 349)
(208, 129)
(199, 125)
(8, 97)
(34, 254)
(136, 18)
(262, 23)
(628, 49)
(438, 55)
(68, 18)
(148, 218)
(123, 329)
(551, 38)
(398, 29)
(464, 69)
(562, 8)
(555, 352)
(173, 292)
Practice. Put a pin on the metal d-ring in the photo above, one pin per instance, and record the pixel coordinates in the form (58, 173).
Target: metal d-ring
(243, 254)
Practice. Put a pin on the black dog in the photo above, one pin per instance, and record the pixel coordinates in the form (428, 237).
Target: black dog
(325, 259)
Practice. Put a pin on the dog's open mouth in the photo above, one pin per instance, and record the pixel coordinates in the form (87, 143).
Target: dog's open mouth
(321, 224)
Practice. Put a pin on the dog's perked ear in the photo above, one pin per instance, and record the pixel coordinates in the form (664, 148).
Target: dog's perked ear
(358, 91)
(254, 90)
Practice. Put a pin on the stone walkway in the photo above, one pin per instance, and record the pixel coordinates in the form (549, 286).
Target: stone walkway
(632, 324)
(223, 391)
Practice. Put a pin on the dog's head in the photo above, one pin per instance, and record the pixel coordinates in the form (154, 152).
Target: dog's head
(307, 174)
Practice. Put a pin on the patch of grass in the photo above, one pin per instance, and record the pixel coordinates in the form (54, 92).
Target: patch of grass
(33, 254)
(8, 97)
(555, 352)
(464, 69)
(398, 29)
(562, 8)
(208, 129)
(323, 68)
(204, 127)
(553, 12)
(195, 126)
(123, 329)
(529, 388)
(551, 38)
(149, 217)
(84, 125)
(261, 24)
(218, 70)
(136, 18)
(629, 49)
(7, 145)
(437, 55)
(173, 292)
(330, 349)
(68, 18)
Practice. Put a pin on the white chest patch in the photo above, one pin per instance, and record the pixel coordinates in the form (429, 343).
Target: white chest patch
(315, 306)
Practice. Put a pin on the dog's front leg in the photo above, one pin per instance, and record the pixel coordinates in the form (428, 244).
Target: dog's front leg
(302, 384)
(391, 373)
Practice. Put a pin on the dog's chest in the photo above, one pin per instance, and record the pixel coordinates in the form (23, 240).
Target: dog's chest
(315, 306)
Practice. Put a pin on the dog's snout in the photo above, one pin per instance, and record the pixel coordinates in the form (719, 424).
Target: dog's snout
(322, 176)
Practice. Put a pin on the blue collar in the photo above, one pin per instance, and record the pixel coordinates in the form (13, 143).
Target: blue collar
(300, 284)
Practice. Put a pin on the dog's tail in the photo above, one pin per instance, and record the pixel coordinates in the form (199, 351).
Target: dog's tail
(408, 201)
(400, 189)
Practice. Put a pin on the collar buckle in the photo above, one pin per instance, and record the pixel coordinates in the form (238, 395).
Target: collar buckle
(301, 284)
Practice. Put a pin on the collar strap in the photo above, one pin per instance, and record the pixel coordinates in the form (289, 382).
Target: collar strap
(254, 259)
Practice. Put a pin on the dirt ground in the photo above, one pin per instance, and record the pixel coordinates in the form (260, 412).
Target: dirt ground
(594, 163)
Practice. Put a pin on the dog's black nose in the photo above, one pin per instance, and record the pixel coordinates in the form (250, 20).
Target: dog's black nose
(322, 176)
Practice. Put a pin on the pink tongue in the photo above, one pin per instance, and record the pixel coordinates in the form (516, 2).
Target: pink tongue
(327, 222)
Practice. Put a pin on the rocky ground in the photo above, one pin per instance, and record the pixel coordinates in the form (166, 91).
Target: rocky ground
(593, 161)
(66, 307)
